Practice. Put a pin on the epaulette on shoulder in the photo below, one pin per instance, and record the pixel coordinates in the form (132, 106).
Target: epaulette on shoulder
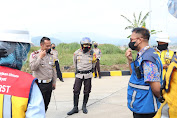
(36, 52)
(77, 51)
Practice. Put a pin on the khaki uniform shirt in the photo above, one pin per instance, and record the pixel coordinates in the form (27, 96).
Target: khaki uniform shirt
(97, 52)
(55, 54)
(84, 62)
(43, 69)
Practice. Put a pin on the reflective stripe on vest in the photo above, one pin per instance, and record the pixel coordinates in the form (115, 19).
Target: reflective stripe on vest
(7, 106)
(165, 111)
(133, 99)
(138, 86)
(155, 103)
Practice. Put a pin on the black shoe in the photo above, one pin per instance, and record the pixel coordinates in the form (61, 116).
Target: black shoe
(99, 77)
(95, 76)
(73, 111)
(61, 79)
(84, 109)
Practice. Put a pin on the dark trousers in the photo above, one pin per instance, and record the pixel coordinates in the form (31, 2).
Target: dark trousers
(78, 85)
(97, 68)
(59, 74)
(46, 90)
(136, 115)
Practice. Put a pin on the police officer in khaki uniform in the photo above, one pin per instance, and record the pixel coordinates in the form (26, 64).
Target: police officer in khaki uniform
(98, 57)
(56, 60)
(42, 65)
(84, 61)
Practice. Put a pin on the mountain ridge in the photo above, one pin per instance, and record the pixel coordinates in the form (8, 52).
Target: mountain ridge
(69, 37)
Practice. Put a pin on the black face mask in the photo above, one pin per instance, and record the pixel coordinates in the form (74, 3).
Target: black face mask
(95, 46)
(86, 49)
(162, 47)
(131, 45)
(53, 47)
(48, 51)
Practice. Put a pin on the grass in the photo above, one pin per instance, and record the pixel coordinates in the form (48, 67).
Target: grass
(111, 49)
(111, 55)
(113, 59)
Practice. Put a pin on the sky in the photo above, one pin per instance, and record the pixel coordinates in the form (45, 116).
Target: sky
(44, 17)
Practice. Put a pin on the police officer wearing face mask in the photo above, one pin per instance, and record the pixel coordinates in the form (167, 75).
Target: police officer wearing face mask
(146, 76)
(98, 57)
(43, 67)
(54, 52)
(84, 61)
(162, 50)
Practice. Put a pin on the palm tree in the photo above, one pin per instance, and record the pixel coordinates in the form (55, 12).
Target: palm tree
(138, 22)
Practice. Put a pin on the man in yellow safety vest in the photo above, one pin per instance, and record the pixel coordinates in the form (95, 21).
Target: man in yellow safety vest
(162, 50)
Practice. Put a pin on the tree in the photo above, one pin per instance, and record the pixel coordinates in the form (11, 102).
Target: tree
(138, 22)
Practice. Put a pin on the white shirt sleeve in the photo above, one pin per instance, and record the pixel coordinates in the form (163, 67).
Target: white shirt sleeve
(36, 107)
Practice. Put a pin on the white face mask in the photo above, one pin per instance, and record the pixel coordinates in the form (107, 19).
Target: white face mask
(172, 7)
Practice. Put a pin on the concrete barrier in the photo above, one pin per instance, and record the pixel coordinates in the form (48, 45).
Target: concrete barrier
(103, 73)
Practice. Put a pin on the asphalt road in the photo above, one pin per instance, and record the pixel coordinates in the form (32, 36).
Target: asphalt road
(107, 99)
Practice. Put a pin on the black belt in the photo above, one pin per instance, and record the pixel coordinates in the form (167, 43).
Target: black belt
(84, 72)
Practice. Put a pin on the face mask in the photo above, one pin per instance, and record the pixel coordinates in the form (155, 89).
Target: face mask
(95, 46)
(162, 47)
(86, 49)
(53, 47)
(48, 51)
(131, 45)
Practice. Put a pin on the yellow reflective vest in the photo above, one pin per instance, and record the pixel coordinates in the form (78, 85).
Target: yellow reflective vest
(169, 93)
(15, 88)
(166, 57)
